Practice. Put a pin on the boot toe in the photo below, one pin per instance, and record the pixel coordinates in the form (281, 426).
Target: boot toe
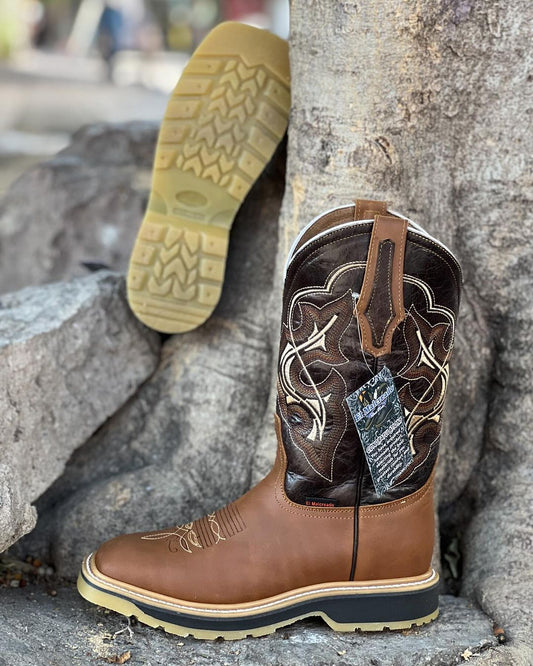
(144, 560)
(113, 559)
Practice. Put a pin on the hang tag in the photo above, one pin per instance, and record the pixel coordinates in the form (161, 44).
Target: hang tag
(379, 419)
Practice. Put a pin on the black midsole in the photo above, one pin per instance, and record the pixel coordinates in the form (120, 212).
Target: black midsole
(379, 607)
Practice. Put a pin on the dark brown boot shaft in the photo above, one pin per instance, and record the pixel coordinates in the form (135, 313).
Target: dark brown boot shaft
(406, 286)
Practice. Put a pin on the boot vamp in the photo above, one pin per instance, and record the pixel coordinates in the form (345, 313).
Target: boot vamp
(259, 546)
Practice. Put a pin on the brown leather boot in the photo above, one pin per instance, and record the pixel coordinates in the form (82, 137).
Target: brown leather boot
(342, 527)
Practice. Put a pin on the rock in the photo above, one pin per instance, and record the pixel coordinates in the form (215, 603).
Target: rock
(184, 445)
(83, 205)
(71, 355)
(88, 636)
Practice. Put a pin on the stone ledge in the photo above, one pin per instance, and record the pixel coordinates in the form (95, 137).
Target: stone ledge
(71, 354)
(68, 630)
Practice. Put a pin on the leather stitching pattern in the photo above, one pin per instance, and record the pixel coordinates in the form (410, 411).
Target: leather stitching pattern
(204, 532)
(315, 412)
(379, 509)
(423, 424)
(384, 341)
(427, 366)
(378, 340)
(342, 513)
(442, 250)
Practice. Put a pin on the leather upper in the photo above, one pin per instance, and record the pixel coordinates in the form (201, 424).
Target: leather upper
(258, 546)
(263, 544)
(321, 359)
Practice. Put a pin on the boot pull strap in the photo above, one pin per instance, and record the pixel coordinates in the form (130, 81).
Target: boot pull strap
(380, 306)
(366, 209)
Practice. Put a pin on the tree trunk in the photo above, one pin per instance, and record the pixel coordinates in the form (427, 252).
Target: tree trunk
(426, 105)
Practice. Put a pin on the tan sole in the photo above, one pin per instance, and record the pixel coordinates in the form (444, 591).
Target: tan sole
(224, 120)
(158, 611)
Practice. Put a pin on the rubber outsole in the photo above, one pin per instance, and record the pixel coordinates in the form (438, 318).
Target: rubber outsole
(223, 122)
(345, 607)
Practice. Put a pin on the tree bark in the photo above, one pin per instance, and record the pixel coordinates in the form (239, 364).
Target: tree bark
(426, 105)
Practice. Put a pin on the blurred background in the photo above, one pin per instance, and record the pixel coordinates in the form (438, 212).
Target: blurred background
(67, 63)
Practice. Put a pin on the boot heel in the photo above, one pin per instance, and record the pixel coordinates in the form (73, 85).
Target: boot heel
(376, 612)
(176, 273)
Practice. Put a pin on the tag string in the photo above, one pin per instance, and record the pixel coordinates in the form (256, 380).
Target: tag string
(355, 297)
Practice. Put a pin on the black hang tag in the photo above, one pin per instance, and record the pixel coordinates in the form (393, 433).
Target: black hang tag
(379, 419)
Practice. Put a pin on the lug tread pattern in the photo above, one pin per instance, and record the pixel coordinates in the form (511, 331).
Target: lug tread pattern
(227, 136)
(180, 264)
(222, 125)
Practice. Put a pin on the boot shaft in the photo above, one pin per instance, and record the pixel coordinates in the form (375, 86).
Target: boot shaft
(364, 289)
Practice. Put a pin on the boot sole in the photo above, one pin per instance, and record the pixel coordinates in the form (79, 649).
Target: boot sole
(224, 120)
(345, 606)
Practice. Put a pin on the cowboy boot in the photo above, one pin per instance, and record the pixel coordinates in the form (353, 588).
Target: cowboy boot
(226, 116)
(343, 525)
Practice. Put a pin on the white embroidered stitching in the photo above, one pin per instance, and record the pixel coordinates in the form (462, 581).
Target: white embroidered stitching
(308, 291)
